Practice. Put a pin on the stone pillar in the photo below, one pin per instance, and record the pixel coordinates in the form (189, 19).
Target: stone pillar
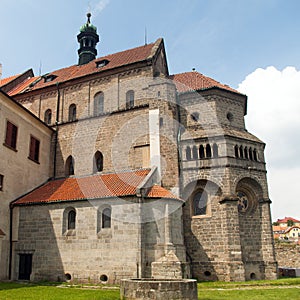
(268, 248)
(232, 244)
(169, 265)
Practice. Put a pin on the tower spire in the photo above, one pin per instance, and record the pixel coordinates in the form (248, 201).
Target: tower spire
(88, 39)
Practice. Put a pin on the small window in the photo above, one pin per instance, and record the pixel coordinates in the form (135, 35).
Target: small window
(208, 151)
(255, 155)
(72, 112)
(69, 169)
(201, 152)
(98, 162)
(246, 152)
(188, 153)
(102, 63)
(106, 218)
(250, 154)
(200, 203)
(130, 99)
(241, 152)
(49, 77)
(11, 135)
(98, 104)
(34, 149)
(161, 122)
(1, 182)
(48, 116)
(195, 116)
(195, 152)
(236, 151)
(229, 117)
(71, 219)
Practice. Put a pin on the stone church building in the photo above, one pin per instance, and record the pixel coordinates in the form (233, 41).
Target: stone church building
(125, 171)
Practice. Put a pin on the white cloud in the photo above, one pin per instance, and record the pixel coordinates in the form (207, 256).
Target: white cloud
(274, 116)
(98, 7)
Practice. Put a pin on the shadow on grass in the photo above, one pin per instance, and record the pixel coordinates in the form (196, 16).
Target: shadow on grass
(11, 285)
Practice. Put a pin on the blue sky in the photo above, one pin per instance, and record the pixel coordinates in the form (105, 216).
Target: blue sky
(227, 40)
(224, 39)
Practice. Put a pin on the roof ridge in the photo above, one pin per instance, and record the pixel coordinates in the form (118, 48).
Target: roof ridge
(122, 51)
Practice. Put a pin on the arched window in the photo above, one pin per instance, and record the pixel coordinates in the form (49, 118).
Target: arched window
(130, 99)
(71, 219)
(69, 169)
(98, 162)
(195, 152)
(255, 155)
(215, 150)
(250, 154)
(201, 152)
(241, 152)
(236, 151)
(48, 116)
(98, 104)
(246, 152)
(200, 203)
(106, 218)
(208, 151)
(72, 112)
(188, 153)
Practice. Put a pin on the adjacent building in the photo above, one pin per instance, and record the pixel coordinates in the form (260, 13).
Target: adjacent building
(25, 160)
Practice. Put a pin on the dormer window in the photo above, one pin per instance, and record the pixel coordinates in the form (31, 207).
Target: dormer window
(102, 63)
(49, 77)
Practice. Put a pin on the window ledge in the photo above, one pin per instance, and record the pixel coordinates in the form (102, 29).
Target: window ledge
(201, 217)
(36, 161)
(10, 147)
(70, 232)
(104, 232)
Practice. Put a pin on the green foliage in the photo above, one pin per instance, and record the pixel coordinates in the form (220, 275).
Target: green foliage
(290, 223)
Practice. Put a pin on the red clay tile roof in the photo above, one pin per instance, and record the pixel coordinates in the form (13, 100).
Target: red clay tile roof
(277, 228)
(115, 60)
(194, 81)
(286, 219)
(92, 187)
(23, 86)
(290, 228)
(4, 81)
(157, 191)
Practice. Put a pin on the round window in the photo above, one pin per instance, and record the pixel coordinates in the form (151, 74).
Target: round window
(243, 202)
(229, 117)
(103, 278)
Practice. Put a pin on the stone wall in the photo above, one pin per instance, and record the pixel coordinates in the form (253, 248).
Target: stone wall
(136, 238)
(287, 255)
(223, 243)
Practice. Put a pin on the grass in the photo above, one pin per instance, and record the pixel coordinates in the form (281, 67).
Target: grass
(254, 290)
(23, 291)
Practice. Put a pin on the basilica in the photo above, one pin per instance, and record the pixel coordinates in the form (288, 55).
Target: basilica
(113, 168)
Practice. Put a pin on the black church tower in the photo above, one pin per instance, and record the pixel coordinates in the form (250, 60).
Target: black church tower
(88, 39)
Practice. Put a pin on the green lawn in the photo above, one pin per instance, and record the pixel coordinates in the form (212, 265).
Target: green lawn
(253, 290)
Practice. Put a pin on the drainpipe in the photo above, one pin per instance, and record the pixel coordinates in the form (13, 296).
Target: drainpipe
(140, 242)
(10, 240)
(179, 152)
(56, 129)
